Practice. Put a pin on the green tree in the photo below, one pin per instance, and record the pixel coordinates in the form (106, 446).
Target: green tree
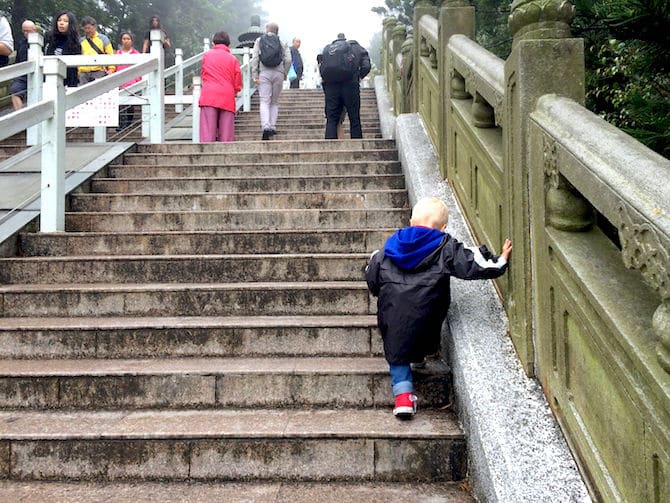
(403, 10)
(627, 60)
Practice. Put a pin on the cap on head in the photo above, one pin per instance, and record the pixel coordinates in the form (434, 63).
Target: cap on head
(430, 212)
(340, 36)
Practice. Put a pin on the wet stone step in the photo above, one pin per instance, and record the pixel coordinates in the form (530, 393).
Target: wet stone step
(236, 220)
(187, 299)
(235, 492)
(238, 200)
(262, 157)
(248, 184)
(197, 336)
(263, 146)
(203, 242)
(233, 444)
(187, 383)
(183, 269)
(255, 170)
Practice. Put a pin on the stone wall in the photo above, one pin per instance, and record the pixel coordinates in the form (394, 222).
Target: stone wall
(587, 293)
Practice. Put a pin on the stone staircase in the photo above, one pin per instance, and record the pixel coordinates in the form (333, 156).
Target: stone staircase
(202, 332)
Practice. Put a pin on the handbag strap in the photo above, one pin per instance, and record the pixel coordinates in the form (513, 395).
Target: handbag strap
(94, 46)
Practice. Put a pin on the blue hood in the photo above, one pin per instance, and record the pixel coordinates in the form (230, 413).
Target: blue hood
(410, 245)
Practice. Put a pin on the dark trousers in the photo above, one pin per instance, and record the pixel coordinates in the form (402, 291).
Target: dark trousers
(339, 96)
(126, 116)
(295, 84)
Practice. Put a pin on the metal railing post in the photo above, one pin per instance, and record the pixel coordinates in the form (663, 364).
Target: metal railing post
(36, 44)
(100, 134)
(205, 45)
(156, 90)
(52, 218)
(179, 79)
(246, 80)
(195, 125)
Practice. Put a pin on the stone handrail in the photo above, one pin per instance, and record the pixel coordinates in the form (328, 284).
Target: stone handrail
(619, 177)
(588, 209)
(483, 72)
(427, 76)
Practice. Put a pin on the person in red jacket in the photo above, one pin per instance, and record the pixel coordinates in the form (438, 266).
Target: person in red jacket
(221, 81)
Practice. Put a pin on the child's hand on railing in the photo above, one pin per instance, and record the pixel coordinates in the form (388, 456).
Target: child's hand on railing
(506, 249)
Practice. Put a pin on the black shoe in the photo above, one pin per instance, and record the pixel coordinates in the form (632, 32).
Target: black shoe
(267, 134)
(273, 132)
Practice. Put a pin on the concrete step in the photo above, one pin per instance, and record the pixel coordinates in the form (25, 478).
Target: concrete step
(234, 492)
(232, 444)
(269, 220)
(207, 201)
(216, 383)
(254, 134)
(247, 184)
(263, 146)
(183, 268)
(255, 170)
(198, 336)
(187, 299)
(203, 242)
(310, 115)
(323, 155)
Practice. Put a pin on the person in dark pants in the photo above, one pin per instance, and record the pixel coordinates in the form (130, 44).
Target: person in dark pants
(343, 63)
(297, 63)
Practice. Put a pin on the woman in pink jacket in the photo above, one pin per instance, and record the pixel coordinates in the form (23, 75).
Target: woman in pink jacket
(221, 81)
(127, 113)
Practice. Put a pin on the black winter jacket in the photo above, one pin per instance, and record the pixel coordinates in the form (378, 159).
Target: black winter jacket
(413, 303)
(363, 64)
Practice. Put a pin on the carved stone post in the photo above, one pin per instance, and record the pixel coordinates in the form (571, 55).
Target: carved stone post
(421, 8)
(389, 23)
(647, 250)
(456, 17)
(661, 323)
(544, 60)
(408, 90)
(399, 35)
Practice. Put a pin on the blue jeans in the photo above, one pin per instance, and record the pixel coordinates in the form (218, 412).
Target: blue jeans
(401, 379)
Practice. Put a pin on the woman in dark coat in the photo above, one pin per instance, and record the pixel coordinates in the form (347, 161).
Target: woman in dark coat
(63, 40)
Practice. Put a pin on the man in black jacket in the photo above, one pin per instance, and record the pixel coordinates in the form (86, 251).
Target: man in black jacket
(342, 88)
(410, 277)
(297, 63)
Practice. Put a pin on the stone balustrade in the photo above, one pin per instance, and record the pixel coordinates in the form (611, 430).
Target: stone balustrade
(587, 294)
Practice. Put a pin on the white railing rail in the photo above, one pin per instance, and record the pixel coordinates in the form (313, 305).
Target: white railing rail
(48, 99)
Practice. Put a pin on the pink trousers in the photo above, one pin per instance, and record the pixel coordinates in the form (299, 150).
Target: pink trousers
(216, 122)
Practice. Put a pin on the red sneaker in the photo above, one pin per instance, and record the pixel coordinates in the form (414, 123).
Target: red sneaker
(405, 405)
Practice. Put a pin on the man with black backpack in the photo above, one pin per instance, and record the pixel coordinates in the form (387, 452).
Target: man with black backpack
(342, 64)
(270, 63)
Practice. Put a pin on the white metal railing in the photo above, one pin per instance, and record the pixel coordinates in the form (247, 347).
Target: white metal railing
(48, 99)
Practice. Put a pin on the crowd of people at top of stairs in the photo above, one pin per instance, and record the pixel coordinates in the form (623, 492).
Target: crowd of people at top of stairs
(64, 38)
(342, 63)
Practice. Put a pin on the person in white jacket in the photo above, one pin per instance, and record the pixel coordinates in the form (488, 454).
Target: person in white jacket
(270, 63)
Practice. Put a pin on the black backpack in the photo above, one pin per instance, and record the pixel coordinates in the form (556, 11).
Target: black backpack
(338, 63)
(270, 49)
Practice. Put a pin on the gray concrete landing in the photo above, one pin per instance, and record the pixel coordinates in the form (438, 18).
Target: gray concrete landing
(20, 180)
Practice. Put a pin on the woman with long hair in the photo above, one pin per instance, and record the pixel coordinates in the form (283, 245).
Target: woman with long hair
(127, 113)
(63, 39)
(221, 81)
(155, 24)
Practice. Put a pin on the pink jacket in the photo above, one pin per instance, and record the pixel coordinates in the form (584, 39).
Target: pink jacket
(121, 67)
(221, 78)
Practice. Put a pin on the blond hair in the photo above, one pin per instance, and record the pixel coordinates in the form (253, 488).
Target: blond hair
(430, 212)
